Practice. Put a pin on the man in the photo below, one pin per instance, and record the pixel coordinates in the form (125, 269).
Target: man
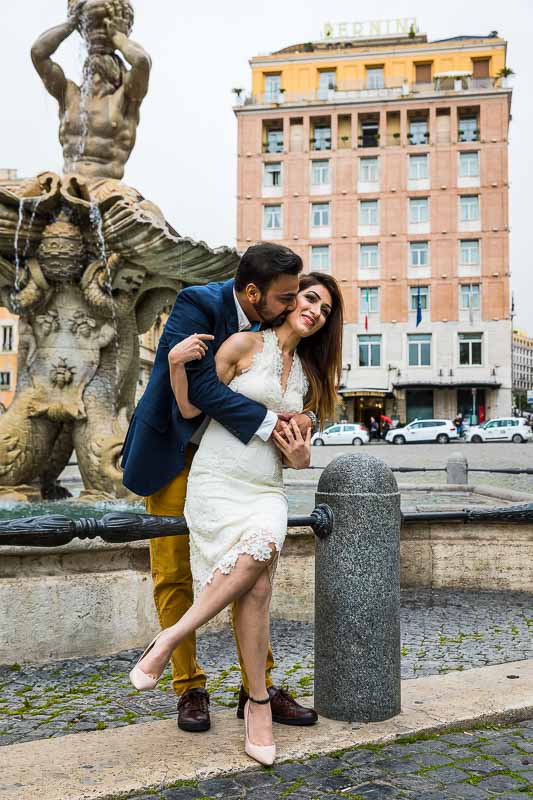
(99, 120)
(158, 451)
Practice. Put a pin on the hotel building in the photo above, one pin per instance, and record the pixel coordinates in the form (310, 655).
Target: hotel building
(383, 160)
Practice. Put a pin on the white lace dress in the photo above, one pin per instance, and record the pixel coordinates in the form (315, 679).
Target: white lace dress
(236, 502)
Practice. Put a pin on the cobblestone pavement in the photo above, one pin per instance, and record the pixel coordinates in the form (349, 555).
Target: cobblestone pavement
(475, 765)
(442, 630)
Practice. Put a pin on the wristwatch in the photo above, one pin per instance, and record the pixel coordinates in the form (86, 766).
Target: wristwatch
(313, 417)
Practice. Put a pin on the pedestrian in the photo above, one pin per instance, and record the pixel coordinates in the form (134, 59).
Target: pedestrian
(374, 429)
(458, 422)
(386, 423)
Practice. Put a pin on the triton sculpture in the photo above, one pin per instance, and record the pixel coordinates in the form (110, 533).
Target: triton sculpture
(88, 264)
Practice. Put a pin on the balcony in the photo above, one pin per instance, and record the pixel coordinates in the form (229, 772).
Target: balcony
(359, 91)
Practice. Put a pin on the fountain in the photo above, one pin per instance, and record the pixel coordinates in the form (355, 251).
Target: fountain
(87, 263)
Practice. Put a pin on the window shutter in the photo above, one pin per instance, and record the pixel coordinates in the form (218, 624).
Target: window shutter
(482, 68)
(423, 73)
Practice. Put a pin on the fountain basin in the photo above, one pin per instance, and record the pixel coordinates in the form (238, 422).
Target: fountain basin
(90, 598)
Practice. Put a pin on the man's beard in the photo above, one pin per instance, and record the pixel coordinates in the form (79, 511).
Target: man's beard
(275, 322)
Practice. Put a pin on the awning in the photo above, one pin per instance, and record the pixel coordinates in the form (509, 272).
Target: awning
(450, 383)
(363, 392)
(453, 74)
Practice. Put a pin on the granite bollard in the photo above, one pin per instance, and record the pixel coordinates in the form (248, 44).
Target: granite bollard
(457, 469)
(357, 593)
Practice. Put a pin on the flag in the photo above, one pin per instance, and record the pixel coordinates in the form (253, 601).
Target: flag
(366, 314)
(418, 307)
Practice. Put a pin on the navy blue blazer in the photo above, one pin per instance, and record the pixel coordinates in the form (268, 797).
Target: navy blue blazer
(153, 453)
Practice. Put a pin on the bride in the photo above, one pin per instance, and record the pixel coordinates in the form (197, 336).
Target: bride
(236, 507)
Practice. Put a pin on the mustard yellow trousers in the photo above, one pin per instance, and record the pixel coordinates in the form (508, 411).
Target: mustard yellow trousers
(173, 589)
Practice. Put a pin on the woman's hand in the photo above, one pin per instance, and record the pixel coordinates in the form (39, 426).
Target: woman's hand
(296, 450)
(193, 348)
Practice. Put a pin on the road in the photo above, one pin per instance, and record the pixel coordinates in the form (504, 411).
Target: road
(498, 455)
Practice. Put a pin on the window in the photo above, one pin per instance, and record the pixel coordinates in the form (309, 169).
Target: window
(369, 170)
(375, 78)
(320, 258)
(272, 174)
(418, 167)
(369, 351)
(418, 132)
(424, 296)
(418, 210)
(272, 87)
(368, 212)
(423, 73)
(469, 252)
(5, 381)
(327, 82)
(469, 165)
(470, 349)
(274, 141)
(320, 215)
(369, 134)
(369, 255)
(272, 219)
(470, 296)
(469, 208)
(369, 301)
(468, 129)
(6, 341)
(418, 254)
(320, 173)
(419, 349)
(322, 140)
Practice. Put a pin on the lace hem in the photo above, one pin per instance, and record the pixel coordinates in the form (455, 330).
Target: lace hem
(256, 544)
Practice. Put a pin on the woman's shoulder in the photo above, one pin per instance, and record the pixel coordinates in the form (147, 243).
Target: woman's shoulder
(242, 344)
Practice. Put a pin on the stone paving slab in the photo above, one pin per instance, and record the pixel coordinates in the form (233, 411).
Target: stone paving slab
(168, 762)
(442, 631)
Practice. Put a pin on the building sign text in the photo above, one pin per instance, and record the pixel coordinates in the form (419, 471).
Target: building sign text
(369, 28)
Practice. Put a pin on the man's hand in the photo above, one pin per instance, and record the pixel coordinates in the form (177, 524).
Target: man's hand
(112, 31)
(296, 450)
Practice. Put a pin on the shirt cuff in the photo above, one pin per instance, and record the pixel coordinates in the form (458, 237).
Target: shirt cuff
(267, 426)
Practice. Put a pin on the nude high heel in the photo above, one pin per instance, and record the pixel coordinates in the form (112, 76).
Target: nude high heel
(264, 754)
(140, 680)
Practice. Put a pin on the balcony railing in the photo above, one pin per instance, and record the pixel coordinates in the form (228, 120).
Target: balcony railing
(360, 91)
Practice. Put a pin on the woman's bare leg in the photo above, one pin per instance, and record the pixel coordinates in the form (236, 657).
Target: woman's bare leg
(252, 623)
(222, 591)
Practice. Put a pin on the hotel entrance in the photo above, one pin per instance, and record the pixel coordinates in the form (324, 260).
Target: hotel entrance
(365, 405)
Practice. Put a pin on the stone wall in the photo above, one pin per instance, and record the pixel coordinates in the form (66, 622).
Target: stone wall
(91, 598)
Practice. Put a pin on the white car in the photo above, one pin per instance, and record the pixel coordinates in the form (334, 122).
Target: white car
(424, 430)
(504, 429)
(344, 433)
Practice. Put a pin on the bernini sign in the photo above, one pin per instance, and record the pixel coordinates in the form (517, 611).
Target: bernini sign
(364, 30)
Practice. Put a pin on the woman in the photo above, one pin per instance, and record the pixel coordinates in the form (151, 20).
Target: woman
(236, 506)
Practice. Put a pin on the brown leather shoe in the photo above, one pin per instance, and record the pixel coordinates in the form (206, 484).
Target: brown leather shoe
(193, 711)
(285, 709)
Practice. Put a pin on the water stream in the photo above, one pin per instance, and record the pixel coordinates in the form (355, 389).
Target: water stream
(98, 224)
(16, 243)
(32, 220)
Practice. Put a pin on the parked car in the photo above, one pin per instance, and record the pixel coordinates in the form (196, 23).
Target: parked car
(423, 430)
(504, 429)
(344, 433)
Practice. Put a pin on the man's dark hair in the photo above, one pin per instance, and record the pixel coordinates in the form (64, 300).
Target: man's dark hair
(263, 263)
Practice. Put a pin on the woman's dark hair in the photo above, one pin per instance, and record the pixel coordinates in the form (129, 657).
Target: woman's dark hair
(321, 353)
(263, 263)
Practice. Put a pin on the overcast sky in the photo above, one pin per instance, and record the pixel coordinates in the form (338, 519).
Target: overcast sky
(185, 158)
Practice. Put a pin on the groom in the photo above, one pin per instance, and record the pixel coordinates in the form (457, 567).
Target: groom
(158, 450)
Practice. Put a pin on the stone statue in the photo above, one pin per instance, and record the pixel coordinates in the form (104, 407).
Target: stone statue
(88, 264)
(98, 120)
